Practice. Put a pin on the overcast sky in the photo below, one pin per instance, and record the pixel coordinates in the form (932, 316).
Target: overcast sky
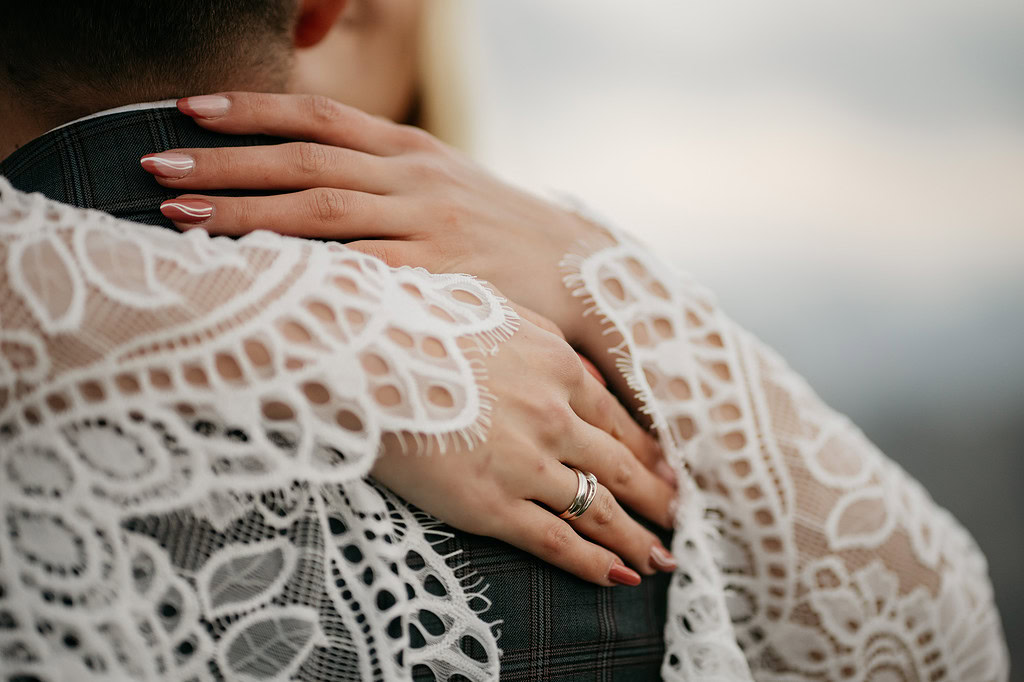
(860, 164)
(771, 121)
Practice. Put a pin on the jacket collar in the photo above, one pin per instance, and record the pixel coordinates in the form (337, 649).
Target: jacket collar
(94, 162)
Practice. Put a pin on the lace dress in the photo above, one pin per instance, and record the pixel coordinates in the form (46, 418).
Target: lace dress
(186, 425)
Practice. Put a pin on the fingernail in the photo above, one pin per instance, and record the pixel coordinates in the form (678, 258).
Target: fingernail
(187, 210)
(168, 164)
(662, 560)
(663, 470)
(205, 106)
(623, 576)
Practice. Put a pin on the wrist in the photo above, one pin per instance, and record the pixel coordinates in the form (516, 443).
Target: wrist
(581, 237)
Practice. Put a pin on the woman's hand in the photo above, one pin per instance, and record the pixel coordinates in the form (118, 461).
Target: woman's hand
(390, 190)
(397, 193)
(553, 415)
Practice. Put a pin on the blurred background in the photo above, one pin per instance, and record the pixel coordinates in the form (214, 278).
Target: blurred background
(849, 178)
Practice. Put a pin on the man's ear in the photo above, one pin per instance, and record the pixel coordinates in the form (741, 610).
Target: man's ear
(316, 18)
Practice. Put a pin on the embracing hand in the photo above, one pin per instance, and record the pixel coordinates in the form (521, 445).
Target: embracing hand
(397, 193)
(554, 415)
(390, 190)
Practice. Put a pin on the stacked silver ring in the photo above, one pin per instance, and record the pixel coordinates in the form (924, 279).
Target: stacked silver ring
(585, 492)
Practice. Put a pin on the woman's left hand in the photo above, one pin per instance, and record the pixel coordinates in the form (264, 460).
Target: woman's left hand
(390, 190)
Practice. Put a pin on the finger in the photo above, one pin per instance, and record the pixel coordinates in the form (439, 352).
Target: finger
(592, 368)
(635, 486)
(594, 343)
(289, 166)
(393, 252)
(604, 521)
(316, 213)
(297, 117)
(538, 320)
(549, 326)
(595, 405)
(554, 541)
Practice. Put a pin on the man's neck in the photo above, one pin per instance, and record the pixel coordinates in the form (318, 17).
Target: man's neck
(19, 126)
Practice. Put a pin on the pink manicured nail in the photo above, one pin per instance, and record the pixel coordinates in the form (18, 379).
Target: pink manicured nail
(168, 164)
(662, 560)
(623, 576)
(187, 210)
(205, 106)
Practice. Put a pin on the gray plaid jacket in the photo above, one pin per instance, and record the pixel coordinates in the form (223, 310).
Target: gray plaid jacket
(555, 627)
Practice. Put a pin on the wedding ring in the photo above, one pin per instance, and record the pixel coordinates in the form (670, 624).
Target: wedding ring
(586, 489)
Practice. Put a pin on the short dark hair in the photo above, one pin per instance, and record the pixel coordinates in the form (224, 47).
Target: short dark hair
(58, 51)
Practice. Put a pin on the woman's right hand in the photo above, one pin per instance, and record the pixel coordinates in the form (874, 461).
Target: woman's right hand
(389, 190)
(549, 414)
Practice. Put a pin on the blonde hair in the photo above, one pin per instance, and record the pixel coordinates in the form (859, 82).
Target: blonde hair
(447, 45)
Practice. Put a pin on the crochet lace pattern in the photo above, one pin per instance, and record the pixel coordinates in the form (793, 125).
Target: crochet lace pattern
(187, 424)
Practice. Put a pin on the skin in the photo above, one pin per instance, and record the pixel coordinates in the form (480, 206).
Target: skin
(362, 52)
(368, 59)
(380, 186)
(549, 413)
(550, 419)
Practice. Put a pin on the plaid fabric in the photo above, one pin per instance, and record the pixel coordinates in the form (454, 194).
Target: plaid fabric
(554, 626)
(95, 163)
(557, 627)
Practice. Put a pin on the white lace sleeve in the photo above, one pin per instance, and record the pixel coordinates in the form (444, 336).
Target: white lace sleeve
(799, 543)
(185, 428)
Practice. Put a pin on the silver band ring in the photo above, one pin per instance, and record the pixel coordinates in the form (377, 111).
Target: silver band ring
(586, 489)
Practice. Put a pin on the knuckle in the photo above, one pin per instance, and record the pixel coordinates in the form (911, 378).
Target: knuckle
(557, 539)
(602, 511)
(327, 205)
(240, 212)
(562, 419)
(447, 255)
(447, 215)
(557, 415)
(557, 349)
(259, 104)
(375, 250)
(417, 138)
(548, 326)
(548, 405)
(625, 471)
(575, 374)
(453, 217)
(426, 168)
(322, 109)
(604, 405)
(483, 464)
(310, 158)
(567, 365)
(214, 163)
